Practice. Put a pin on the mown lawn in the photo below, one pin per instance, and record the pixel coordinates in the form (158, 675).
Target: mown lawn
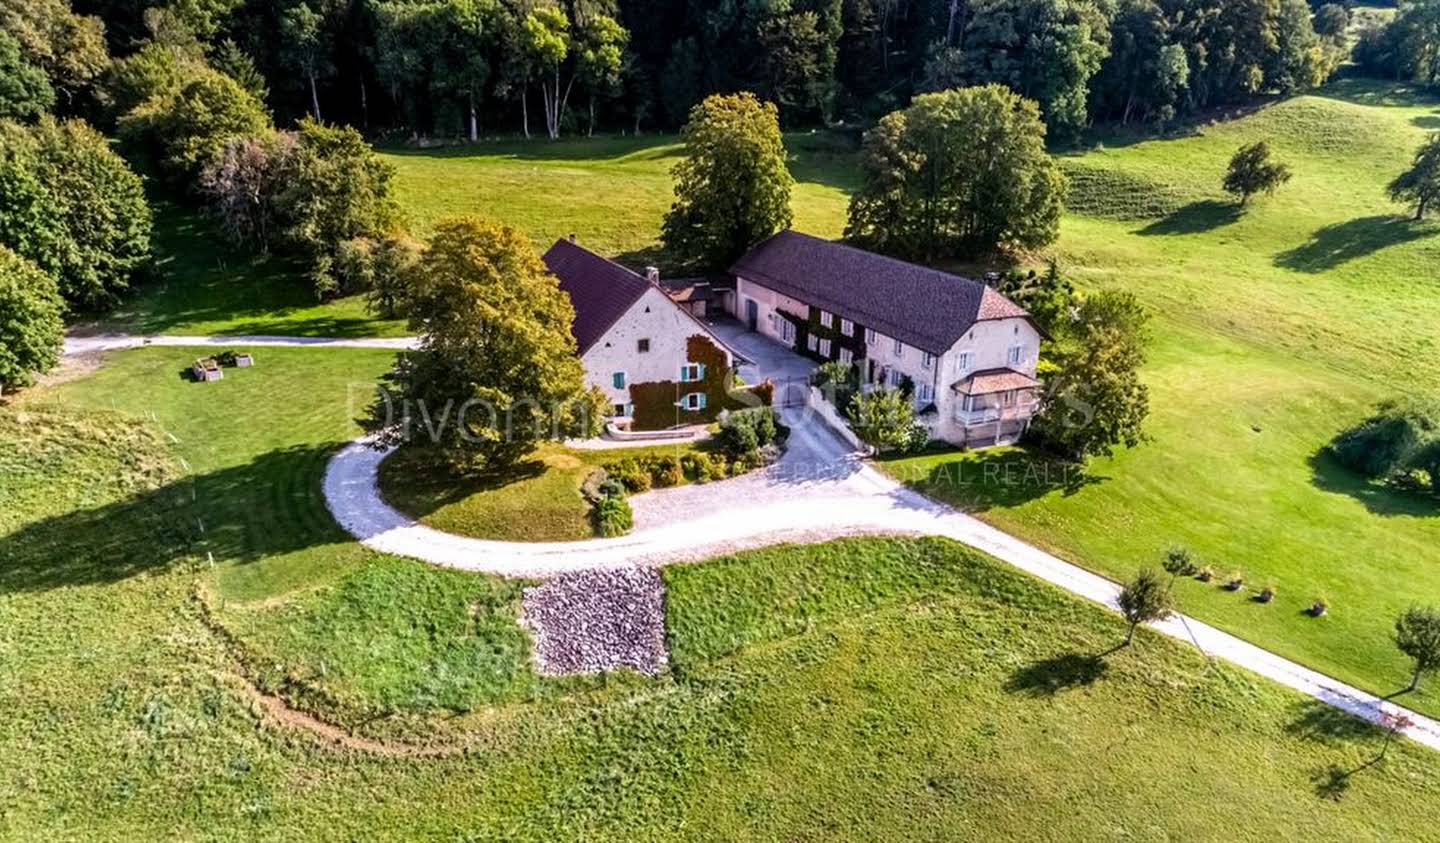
(866, 689)
(537, 500)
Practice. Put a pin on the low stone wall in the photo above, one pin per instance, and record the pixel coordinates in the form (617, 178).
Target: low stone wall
(615, 433)
(816, 403)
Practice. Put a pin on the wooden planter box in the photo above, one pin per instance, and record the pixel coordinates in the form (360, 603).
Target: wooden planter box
(243, 360)
(207, 369)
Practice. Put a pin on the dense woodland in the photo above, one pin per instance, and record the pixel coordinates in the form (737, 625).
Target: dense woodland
(458, 68)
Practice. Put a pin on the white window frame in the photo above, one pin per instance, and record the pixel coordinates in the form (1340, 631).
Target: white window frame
(925, 393)
(892, 378)
(812, 342)
(693, 402)
(787, 330)
(827, 319)
(847, 327)
(824, 348)
(847, 357)
(926, 359)
(899, 349)
(964, 361)
(1017, 355)
(872, 337)
(690, 373)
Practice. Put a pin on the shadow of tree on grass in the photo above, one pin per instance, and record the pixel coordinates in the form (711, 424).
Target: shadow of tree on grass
(270, 505)
(1380, 498)
(1195, 218)
(1065, 672)
(430, 485)
(1343, 242)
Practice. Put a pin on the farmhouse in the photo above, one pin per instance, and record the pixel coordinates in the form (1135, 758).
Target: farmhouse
(659, 365)
(965, 353)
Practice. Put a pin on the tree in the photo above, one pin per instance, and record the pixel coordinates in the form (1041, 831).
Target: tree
(305, 42)
(497, 370)
(732, 188)
(1179, 562)
(336, 189)
(883, 419)
(547, 39)
(234, 62)
(958, 173)
(1251, 171)
(1146, 75)
(1332, 20)
(179, 133)
(31, 329)
(74, 208)
(1417, 634)
(1301, 61)
(470, 28)
(1421, 183)
(800, 62)
(244, 183)
(1048, 297)
(1145, 599)
(599, 59)
(1096, 400)
(1417, 28)
(1045, 50)
(68, 48)
(25, 93)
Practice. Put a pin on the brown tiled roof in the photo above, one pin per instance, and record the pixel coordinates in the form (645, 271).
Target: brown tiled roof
(601, 290)
(991, 381)
(687, 289)
(923, 307)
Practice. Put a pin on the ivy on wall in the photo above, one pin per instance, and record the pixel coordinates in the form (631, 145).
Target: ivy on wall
(654, 402)
(811, 327)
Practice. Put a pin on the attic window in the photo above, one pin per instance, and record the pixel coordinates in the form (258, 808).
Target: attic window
(642, 346)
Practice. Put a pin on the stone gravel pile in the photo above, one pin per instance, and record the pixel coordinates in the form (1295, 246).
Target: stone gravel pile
(596, 621)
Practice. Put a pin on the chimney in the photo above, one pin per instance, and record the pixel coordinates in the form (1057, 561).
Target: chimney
(572, 237)
(652, 274)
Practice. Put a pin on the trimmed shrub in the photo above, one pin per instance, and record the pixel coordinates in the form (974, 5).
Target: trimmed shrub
(665, 472)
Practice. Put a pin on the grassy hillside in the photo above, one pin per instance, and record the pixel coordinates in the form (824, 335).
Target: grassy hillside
(1275, 329)
(866, 689)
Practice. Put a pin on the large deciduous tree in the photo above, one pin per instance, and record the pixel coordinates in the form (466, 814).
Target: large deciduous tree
(180, 133)
(497, 370)
(69, 48)
(244, 182)
(31, 330)
(1420, 185)
(548, 42)
(336, 189)
(74, 208)
(959, 172)
(1095, 400)
(732, 188)
(1045, 50)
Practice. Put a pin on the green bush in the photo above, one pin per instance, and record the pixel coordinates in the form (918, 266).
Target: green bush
(630, 474)
(665, 471)
(613, 516)
(743, 432)
(1401, 442)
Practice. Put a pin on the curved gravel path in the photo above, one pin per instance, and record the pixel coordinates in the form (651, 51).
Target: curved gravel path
(819, 491)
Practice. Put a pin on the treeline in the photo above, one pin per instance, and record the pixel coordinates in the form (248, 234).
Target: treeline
(462, 68)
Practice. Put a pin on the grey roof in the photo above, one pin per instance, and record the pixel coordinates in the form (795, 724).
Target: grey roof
(922, 307)
(601, 290)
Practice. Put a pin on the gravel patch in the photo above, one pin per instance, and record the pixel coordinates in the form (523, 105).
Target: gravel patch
(597, 621)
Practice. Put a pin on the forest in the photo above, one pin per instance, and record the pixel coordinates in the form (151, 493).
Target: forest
(441, 69)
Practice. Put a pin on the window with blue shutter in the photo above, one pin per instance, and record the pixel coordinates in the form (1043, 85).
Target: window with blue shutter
(618, 379)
